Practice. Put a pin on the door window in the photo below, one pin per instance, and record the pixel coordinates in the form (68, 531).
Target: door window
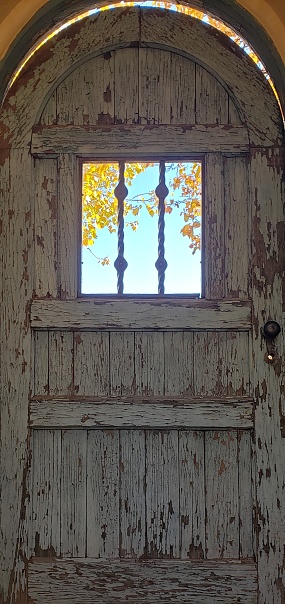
(141, 227)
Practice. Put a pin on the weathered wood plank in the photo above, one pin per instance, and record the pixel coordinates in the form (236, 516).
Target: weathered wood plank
(235, 369)
(246, 494)
(16, 287)
(154, 86)
(192, 494)
(103, 494)
(141, 140)
(182, 90)
(73, 493)
(41, 363)
(211, 99)
(156, 313)
(178, 363)
(207, 355)
(138, 413)
(93, 101)
(126, 75)
(222, 504)
(132, 493)
(60, 363)
(235, 70)
(122, 363)
(46, 225)
(69, 226)
(228, 352)
(162, 494)
(49, 117)
(45, 471)
(168, 582)
(214, 250)
(149, 363)
(267, 194)
(234, 113)
(237, 228)
(91, 364)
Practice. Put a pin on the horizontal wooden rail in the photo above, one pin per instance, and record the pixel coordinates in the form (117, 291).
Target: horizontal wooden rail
(156, 313)
(143, 141)
(168, 581)
(139, 413)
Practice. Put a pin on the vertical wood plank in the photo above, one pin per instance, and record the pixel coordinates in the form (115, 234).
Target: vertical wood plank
(192, 494)
(103, 494)
(132, 493)
(178, 352)
(49, 114)
(41, 363)
(207, 364)
(73, 493)
(69, 226)
(46, 504)
(211, 99)
(237, 228)
(16, 286)
(234, 117)
(245, 494)
(182, 90)
(214, 228)
(122, 363)
(222, 504)
(149, 363)
(91, 364)
(60, 363)
(126, 75)
(162, 494)
(154, 86)
(93, 101)
(46, 227)
(267, 195)
(236, 368)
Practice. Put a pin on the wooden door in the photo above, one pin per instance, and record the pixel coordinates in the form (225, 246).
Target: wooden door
(155, 425)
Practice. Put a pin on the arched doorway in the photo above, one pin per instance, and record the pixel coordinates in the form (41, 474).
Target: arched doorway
(147, 432)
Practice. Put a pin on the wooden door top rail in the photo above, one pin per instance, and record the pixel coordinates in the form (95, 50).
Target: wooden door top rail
(149, 313)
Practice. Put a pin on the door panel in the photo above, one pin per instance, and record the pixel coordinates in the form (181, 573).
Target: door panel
(142, 494)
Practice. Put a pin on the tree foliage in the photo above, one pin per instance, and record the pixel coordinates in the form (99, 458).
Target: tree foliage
(100, 203)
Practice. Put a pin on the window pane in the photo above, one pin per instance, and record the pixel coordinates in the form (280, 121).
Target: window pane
(99, 228)
(182, 228)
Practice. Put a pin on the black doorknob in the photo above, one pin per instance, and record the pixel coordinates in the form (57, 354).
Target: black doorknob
(271, 330)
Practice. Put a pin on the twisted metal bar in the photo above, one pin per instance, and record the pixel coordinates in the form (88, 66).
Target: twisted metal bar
(161, 192)
(120, 263)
